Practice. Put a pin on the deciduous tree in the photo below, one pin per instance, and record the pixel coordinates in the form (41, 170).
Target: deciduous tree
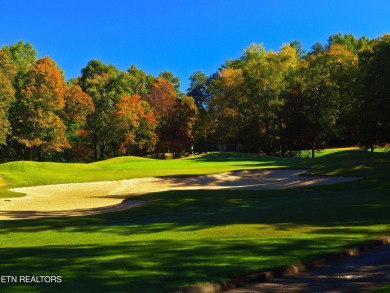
(321, 98)
(140, 81)
(162, 98)
(136, 125)
(179, 131)
(198, 89)
(227, 105)
(375, 105)
(7, 94)
(37, 124)
(100, 81)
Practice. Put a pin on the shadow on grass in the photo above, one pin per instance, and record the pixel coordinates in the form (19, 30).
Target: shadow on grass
(150, 266)
(350, 163)
(350, 204)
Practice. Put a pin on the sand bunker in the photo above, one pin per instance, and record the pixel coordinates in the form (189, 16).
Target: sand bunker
(77, 199)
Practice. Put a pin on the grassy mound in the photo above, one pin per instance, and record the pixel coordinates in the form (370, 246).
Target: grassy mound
(23, 173)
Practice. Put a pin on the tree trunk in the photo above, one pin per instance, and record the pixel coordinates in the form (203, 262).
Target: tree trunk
(114, 149)
(30, 153)
(268, 138)
(95, 152)
(102, 148)
(282, 147)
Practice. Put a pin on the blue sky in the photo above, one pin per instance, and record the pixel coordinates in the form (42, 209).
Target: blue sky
(178, 35)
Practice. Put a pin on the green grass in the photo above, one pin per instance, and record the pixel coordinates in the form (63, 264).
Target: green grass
(385, 149)
(324, 152)
(23, 173)
(180, 238)
(328, 151)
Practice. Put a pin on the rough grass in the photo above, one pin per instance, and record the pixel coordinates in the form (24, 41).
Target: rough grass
(182, 238)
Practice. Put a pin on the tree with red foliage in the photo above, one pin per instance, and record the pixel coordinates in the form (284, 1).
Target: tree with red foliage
(162, 98)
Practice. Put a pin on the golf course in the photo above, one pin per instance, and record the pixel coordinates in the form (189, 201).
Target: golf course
(195, 147)
(186, 233)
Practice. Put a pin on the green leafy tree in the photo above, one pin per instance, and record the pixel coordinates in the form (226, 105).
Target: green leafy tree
(267, 76)
(175, 81)
(225, 107)
(374, 65)
(321, 99)
(198, 90)
(105, 84)
(140, 81)
(349, 42)
(344, 71)
(296, 120)
(23, 56)
(298, 49)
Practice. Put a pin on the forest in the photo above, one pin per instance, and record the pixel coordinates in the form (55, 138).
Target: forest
(268, 102)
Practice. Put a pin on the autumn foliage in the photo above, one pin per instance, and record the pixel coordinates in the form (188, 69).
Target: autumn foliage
(136, 124)
(7, 94)
(162, 97)
(37, 113)
(273, 102)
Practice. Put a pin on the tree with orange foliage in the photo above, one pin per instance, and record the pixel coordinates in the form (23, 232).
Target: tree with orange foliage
(179, 132)
(162, 98)
(38, 125)
(135, 125)
(78, 105)
(7, 94)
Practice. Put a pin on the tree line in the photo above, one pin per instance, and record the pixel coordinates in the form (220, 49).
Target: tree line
(102, 113)
(283, 102)
(276, 103)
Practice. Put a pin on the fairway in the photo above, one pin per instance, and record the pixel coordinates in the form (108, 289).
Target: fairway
(77, 199)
